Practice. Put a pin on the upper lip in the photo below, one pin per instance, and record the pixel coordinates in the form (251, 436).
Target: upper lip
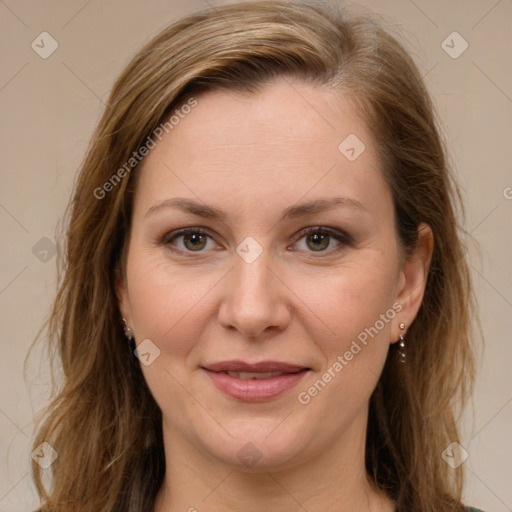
(262, 366)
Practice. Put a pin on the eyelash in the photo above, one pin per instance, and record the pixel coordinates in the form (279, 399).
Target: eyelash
(343, 238)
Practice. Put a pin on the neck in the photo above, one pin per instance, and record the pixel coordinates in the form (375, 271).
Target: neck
(336, 480)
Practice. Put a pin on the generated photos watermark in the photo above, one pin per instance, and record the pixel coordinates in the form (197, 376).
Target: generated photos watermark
(147, 146)
(357, 345)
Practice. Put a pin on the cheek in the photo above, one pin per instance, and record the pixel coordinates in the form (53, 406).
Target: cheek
(170, 305)
(167, 302)
(358, 308)
(350, 301)
(169, 308)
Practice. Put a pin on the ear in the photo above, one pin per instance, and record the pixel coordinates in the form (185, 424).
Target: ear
(412, 281)
(122, 294)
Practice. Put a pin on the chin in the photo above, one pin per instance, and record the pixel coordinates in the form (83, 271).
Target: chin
(255, 447)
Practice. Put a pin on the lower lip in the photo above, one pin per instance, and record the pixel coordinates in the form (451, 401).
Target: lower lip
(255, 390)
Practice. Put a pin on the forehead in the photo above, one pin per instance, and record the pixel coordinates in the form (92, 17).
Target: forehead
(286, 141)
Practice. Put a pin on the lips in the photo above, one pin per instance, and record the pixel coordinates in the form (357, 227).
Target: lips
(254, 382)
(261, 367)
(253, 375)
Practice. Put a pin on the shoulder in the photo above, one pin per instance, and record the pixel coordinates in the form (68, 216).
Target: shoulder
(471, 509)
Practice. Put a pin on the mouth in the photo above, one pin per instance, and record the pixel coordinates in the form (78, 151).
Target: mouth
(255, 382)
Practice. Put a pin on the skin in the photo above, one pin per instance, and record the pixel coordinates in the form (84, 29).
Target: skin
(252, 156)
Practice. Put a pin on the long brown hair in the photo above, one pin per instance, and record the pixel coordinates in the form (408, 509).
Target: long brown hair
(103, 422)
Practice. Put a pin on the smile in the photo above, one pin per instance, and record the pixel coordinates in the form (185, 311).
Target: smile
(244, 382)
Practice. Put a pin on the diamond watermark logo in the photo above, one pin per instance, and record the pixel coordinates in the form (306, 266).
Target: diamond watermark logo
(249, 250)
(454, 455)
(44, 250)
(147, 352)
(45, 455)
(454, 45)
(351, 147)
(44, 45)
(249, 455)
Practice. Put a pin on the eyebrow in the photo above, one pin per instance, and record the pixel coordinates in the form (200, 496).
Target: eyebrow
(211, 212)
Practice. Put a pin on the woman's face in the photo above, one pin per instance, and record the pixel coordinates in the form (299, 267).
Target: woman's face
(263, 242)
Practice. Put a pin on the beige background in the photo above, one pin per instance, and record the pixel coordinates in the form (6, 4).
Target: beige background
(50, 106)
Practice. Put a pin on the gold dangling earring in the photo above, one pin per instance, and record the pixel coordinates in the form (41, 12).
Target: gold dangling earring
(127, 330)
(401, 346)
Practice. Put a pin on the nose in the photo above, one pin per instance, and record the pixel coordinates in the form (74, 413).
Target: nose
(255, 300)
